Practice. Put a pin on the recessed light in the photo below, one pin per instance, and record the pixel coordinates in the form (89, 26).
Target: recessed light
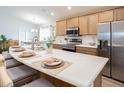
(52, 13)
(69, 7)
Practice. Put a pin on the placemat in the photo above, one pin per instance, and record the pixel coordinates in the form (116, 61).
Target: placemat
(53, 71)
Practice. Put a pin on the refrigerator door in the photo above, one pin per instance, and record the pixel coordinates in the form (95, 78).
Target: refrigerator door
(118, 50)
(103, 48)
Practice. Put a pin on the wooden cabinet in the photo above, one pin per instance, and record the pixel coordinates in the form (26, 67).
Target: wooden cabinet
(92, 24)
(57, 46)
(83, 25)
(106, 16)
(119, 14)
(60, 27)
(72, 22)
(86, 50)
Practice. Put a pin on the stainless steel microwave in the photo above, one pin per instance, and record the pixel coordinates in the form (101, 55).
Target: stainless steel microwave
(72, 31)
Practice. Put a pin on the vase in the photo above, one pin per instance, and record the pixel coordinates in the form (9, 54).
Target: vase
(49, 50)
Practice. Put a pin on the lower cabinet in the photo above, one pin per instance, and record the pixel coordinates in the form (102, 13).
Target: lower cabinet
(86, 50)
(57, 46)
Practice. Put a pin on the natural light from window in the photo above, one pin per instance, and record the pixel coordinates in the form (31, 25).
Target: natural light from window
(44, 33)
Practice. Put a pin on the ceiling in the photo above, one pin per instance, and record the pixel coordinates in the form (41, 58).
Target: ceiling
(41, 14)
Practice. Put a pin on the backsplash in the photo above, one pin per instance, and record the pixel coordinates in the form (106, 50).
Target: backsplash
(89, 39)
(60, 39)
(86, 40)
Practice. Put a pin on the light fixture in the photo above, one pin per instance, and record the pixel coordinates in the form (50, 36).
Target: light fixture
(69, 7)
(52, 13)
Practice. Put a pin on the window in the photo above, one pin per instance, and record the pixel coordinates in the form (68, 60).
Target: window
(44, 33)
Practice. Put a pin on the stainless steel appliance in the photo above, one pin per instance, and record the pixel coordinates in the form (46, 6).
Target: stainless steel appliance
(73, 31)
(71, 44)
(111, 44)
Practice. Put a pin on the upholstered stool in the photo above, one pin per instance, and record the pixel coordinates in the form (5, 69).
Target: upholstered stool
(41, 82)
(6, 55)
(12, 63)
(21, 75)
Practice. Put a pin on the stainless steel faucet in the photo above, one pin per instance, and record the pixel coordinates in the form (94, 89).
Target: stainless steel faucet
(35, 40)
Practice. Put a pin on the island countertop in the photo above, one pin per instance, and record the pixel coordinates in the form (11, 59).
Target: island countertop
(83, 69)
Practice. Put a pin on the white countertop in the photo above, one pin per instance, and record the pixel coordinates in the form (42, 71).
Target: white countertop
(82, 72)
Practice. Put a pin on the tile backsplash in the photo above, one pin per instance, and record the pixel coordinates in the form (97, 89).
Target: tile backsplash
(86, 40)
(89, 39)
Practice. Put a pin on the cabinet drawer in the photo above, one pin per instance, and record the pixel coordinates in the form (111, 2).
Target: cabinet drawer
(86, 50)
(57, 46)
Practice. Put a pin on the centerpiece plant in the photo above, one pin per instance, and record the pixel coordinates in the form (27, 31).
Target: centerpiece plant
(49, 43)
(3, 43)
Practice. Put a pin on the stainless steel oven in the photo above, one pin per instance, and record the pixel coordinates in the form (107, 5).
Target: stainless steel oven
(71, 45)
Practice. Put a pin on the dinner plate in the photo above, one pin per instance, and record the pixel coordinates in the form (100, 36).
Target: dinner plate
(15, 46)
(18, 50)
(27, 54)
(52, 62)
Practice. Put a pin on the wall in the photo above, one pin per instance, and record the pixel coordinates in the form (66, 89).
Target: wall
(11, 26)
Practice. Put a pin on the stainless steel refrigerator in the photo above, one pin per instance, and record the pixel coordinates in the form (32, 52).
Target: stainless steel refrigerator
(111, 44)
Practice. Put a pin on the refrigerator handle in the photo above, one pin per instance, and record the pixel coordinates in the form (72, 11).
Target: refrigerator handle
(100, 44)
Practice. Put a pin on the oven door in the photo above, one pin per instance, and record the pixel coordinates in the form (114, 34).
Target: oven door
(69, 47)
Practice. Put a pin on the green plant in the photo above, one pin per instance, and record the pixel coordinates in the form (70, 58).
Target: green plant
(3, 43)
(50, 41)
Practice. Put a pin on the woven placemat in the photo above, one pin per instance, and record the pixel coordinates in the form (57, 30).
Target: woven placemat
(55, 70)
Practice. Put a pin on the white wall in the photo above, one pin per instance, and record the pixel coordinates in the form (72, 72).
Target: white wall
(10, 26)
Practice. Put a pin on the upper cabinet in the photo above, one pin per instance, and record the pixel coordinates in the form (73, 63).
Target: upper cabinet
(60, 27)
(119, 14)
(72, 22)
(106, 16)
(92, 23)
(83, 25)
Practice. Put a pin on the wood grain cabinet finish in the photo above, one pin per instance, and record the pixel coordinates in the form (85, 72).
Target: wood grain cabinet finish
(92, 24)
(106, 16)
(119, 14)
(72, 22)
(83, 25)
(60, 28)
(86, 50)
(57, 46)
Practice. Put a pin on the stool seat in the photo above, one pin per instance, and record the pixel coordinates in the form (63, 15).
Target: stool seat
(20, 72)
(41, 82)
(6, 55)
(12, 63)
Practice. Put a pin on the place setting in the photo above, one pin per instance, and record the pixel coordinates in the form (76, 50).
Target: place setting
(18, 49)
(52, 64)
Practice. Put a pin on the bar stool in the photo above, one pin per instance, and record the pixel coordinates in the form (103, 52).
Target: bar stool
(41, 82)
(21, 75)
(12, 63)
(7, 56)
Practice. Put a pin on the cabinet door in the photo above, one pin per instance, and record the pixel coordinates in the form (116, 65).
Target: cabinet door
(83, 25)
(106, 16)
(60, 28)
(93, 20)
(73, 22)
(119, 14)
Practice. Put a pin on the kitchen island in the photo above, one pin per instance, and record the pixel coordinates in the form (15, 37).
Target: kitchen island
(81, 70)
